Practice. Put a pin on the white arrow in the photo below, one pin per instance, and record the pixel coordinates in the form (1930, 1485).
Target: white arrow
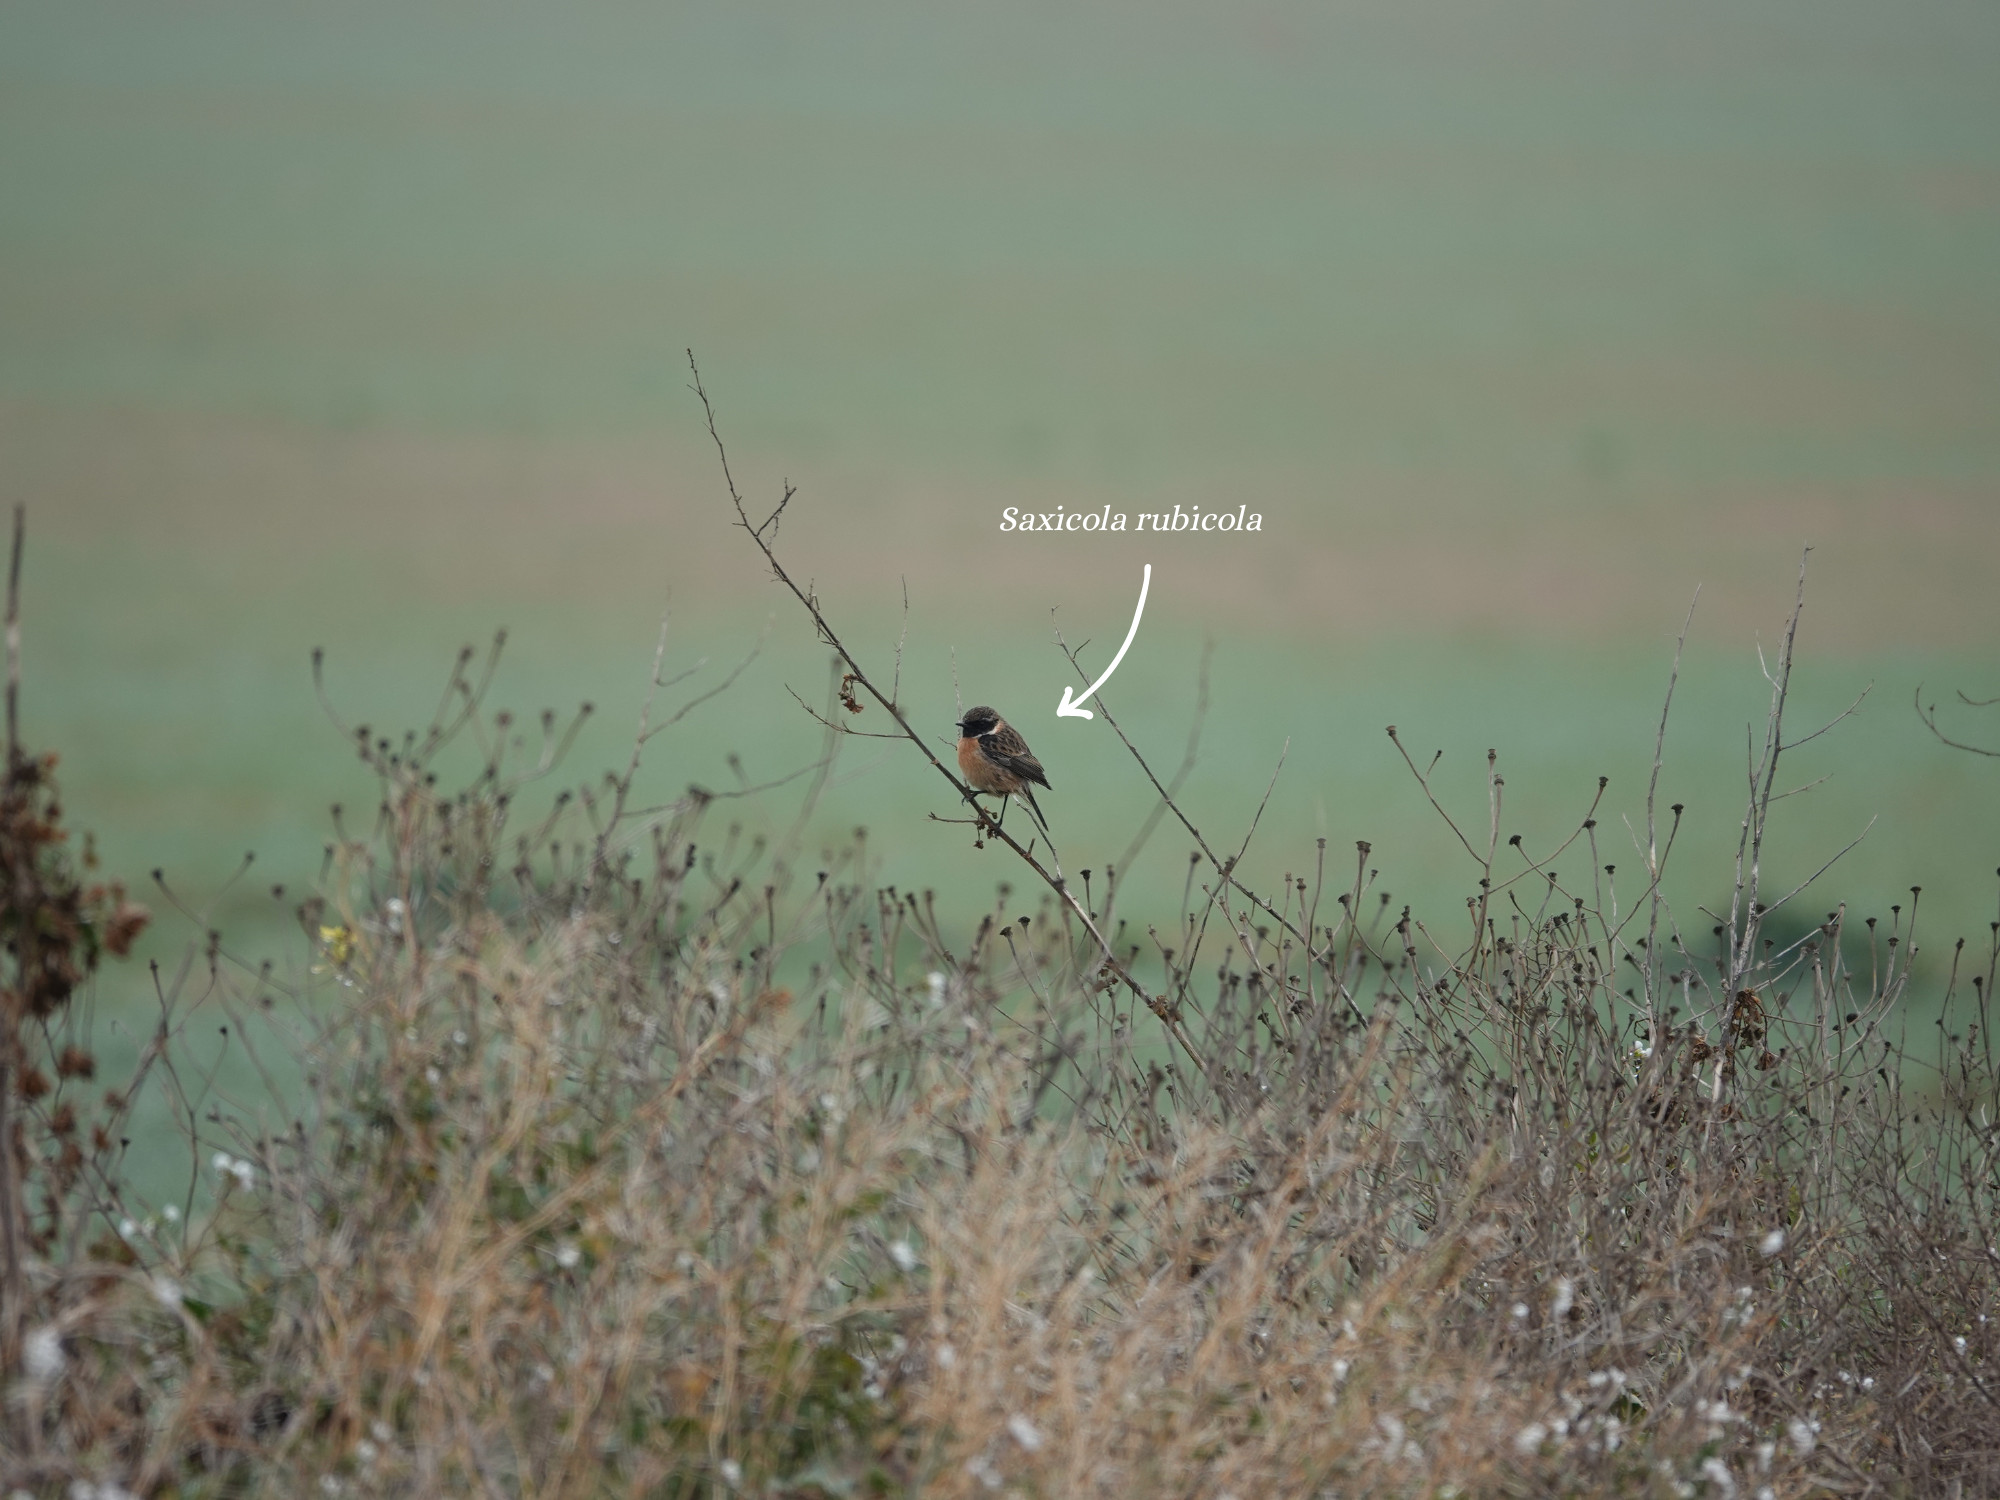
(1067, 709)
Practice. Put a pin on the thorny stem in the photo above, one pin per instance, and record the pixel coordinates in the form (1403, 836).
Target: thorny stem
(14, 635)
(1224, 868)
(1744, 924)
(1646, 970)
(1929, 716)
(12, 1292)
(988, 826)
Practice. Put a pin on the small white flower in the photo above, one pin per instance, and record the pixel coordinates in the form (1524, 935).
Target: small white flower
(1564, 1298)
(1773, 1242)
(947, 1357)
(1340, 1369)
(365, 1451)
(1765, 1492)
(1520, 1312)
(1530, 1438)
(901, 1253)
(433, 1077)
(244, 1173)
(458, 1039)
(223, 1163)
(1025, 1433)
(167, 1291)
(171, 1214)
(394, 906)
(935, 980)
(1801, 1433)
(1716, 1472)
(1959, 1343)
(381, 1431)
(732, 1472)
(126, 1229)
(42, 1356)
(1765, 1453)
(568, 1256)
(329, 1484)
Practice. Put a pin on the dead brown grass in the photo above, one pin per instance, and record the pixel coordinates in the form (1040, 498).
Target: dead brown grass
(639, 1157)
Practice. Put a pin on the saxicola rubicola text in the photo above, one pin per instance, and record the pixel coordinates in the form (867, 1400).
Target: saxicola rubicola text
(996, 760)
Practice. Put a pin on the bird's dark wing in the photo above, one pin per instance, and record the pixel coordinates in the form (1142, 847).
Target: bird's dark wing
(1005, 747)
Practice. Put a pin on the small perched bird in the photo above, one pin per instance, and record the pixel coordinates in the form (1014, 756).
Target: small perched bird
(995, 759)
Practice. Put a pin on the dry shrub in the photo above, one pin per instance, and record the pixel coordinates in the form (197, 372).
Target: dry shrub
(632, 1164)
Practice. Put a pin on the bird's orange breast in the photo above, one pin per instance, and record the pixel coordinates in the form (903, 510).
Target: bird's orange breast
(980, 773)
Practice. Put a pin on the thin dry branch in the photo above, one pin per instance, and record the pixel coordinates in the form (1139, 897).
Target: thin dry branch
(989, 827)
(1424, 782)
(1845, 713)
(1655, 856)
(14, 635)
(1929, 716)
(1189, 758)
(1226, 870)
(12, 1287)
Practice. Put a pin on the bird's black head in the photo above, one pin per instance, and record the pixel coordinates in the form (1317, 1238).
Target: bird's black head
(978, 721)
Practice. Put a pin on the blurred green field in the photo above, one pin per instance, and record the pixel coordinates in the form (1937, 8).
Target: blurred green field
(363, 327)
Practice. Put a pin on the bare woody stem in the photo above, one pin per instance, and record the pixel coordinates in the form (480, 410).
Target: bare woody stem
(762, 533)
(12, 1288)
(14, 635)
(1224, 868)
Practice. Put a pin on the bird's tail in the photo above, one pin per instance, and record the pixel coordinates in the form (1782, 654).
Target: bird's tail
(1029, 792)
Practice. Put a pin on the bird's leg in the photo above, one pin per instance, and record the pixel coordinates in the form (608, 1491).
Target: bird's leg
(982, 820)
